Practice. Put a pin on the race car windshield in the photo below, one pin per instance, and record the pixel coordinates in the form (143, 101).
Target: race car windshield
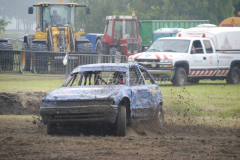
(170, 45)
(96, 78)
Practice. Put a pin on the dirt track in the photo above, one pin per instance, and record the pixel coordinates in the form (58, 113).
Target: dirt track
(25, 137)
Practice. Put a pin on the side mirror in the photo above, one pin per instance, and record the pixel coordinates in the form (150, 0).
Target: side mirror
(88, 11)
(139, 23)
(30, 10)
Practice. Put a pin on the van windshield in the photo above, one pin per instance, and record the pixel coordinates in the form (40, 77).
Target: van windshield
(170, 45)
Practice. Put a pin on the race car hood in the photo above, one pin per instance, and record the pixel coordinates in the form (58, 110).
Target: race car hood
(85, 93)
(157, 55)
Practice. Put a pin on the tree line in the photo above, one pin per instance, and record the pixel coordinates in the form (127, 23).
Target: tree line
(213, 10)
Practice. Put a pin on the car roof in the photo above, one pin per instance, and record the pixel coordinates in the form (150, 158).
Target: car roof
(106, 65)
(103, 66)
(183, 38)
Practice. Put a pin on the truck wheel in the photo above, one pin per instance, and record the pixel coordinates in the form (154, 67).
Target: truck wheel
(121, 121)
(234, 76)
(180, 77)
(105, 48)
(89, 47)
(50, 128)
(159, 116)
(81, 47)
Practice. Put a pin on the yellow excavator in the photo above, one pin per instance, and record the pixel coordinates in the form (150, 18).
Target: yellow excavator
(54, 31)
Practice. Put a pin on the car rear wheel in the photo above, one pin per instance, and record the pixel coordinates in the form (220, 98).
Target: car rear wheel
(121, 121)
(159, 116)
(234, 76)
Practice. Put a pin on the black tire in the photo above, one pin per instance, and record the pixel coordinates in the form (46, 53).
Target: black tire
(234, 76)
(50, 128)
(121, 121)
(159, 115)
(180, 77)
(7, 46)
(81, 47)
(89, 47)
(85, 47)
(105, 48)
(7, 58)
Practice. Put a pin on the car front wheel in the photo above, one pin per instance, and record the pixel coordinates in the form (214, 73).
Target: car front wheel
(121, 121)
(180, 77)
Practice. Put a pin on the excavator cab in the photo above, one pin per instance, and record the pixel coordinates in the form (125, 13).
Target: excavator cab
(55, 26)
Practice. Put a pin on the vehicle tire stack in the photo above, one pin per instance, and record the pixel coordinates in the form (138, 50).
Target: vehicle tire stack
(6, 57)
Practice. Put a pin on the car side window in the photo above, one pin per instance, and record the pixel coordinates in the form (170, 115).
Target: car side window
(147, 76)
(135, 77)
(72, 80)
(208, 46)
(197, 47)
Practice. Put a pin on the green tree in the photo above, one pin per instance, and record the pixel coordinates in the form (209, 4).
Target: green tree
(3, 24)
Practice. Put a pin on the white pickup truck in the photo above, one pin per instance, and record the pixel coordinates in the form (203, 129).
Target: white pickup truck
(196, 53)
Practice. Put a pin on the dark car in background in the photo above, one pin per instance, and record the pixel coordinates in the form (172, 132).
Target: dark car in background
(107, 93)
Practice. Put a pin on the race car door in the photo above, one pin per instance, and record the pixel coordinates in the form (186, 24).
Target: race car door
(141, 96)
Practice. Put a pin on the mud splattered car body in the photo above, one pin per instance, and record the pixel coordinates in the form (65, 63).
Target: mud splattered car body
(111, 93)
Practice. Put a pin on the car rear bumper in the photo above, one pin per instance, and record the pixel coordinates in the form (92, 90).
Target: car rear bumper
(94, 113)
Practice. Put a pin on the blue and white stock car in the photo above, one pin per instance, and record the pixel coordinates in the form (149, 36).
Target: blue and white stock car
(111, 93)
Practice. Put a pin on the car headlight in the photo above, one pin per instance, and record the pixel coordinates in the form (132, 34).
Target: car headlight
(166, 61)
(154, 64)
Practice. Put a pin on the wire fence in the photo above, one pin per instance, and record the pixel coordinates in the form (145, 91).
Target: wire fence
(50, 63)
(10, 61)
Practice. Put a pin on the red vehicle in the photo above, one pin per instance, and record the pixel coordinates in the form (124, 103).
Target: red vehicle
(121, 34)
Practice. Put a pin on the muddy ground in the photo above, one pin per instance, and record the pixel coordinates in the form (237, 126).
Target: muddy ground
(22, 136)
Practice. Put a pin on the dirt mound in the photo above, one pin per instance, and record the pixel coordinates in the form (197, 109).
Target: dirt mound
(20, 103)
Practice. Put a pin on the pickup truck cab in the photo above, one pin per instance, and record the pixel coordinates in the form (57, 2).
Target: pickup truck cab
(197, 53)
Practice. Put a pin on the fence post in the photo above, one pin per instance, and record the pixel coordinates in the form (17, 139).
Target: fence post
(67, 65)
(118, 57)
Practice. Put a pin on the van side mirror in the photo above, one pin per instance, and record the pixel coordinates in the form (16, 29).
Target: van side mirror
(88, 11)
(139, 23)
(30, 10)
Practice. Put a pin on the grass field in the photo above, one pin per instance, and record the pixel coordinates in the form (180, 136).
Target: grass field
(202, 121)
(208, 98)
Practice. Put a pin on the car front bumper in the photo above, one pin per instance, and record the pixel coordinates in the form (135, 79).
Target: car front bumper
(93, 113)
(161, 74)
